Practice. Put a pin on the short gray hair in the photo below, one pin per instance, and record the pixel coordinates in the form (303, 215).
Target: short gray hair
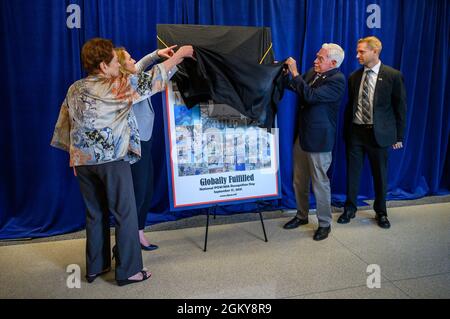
(335, 52)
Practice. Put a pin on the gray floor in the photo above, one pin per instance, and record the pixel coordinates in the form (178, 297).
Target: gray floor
(199, 221)
(413, 256)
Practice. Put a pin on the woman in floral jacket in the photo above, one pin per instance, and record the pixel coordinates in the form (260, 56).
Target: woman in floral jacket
(97, 126)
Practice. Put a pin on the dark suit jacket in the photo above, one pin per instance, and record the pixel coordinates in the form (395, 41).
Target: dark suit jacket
(389, 105)
(318, 108)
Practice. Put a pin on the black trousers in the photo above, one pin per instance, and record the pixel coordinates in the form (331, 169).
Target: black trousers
(108, 188)
(142, 172)
(362, 142)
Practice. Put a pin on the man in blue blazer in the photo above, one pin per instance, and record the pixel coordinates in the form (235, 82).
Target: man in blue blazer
(320, 93)
(375, 119)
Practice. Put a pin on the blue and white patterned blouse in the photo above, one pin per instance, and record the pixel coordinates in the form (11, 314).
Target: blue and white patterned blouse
(96, 123)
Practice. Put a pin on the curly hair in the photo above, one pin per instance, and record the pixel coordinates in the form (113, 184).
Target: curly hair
(96, 51)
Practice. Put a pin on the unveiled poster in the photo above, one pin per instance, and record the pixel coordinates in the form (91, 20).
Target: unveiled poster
(215, 155)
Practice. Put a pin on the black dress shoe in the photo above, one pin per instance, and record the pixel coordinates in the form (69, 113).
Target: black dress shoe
(295, 222)
(345, 217)
(322, 233)
(149, 247)
(383, 221)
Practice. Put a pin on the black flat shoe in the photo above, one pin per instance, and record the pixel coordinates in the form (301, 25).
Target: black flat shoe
(91, 278)
(145, 276)
(295, 222)
(149, 247)
(345, 217)
(322, 233)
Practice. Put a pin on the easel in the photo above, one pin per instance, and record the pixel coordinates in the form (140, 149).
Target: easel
(259, 206)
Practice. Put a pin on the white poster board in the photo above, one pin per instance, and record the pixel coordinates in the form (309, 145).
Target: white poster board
(215, 156)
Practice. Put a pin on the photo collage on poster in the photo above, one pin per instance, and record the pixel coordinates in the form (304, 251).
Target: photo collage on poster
(214, 138)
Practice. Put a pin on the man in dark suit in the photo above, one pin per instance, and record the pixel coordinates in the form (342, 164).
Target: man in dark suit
(374, 121)
(320, 93)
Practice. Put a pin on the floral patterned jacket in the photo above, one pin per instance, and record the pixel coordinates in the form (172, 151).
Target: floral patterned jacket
(96, 123)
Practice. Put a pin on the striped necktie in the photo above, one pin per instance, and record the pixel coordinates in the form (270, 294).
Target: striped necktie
(365, 102)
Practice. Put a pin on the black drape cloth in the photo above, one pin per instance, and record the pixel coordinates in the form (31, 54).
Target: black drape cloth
(252, 44)
(234, 66)
(251, 88)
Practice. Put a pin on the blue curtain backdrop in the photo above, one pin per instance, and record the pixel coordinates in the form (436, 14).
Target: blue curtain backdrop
(39, 196)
